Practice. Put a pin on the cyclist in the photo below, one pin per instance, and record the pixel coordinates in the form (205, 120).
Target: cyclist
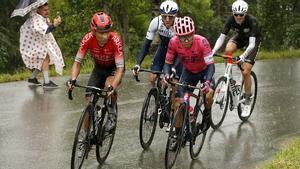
(248, 34)
(163, 24)
(106, 49)
(196, 57)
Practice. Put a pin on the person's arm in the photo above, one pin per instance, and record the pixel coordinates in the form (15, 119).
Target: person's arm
(56, 23)
(223, 34)
(118, 77)
(143, 52)
(249, 48)
(209, 60)
(153, 27)
(119, 60)
(75, 70)
(219, 42)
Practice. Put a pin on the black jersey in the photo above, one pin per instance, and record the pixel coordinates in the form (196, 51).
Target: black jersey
(248, 28)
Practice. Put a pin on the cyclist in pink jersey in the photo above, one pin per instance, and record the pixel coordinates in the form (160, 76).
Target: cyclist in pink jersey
(196, 56)
(106, 49)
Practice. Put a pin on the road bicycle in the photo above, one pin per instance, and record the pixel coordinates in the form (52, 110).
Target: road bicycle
(157, 102)
(187, 126)
(95, 134)
(229, 92)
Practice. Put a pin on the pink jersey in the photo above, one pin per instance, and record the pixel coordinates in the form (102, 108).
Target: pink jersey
(110, 55)
(194, 59)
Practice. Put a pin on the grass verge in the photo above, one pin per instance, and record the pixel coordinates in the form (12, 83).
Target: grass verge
(289, 158)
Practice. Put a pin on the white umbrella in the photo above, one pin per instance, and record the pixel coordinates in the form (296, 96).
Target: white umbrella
(25, 6)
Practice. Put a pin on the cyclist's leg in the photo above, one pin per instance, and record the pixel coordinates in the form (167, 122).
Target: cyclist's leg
(247, 66)
(157, 63)
(232, 45)
(96, 79)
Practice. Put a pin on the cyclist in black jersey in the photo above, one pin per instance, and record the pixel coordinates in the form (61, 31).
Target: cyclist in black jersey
(248, 34)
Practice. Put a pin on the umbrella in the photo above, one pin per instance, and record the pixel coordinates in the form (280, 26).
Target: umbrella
(25, 6)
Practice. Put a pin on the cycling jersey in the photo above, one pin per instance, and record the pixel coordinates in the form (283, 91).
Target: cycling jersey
(194, 59)
(248, 28)
(108, 56)
(165, 35)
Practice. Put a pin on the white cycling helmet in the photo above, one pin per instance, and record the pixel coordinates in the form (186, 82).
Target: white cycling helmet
(168, 7)
(239, 7)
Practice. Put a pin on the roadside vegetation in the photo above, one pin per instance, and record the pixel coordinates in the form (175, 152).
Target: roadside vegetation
(289, 158)
(87, 66)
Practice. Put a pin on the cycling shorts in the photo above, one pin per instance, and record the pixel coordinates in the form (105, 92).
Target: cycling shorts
(98, 77)
(242, 41)
(191, 79)
(159, 61)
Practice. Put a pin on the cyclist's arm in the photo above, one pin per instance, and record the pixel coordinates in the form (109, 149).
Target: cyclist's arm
(209, 60)
(119, 60)
(249, 48)
(81, 53)
(170, 56)
(224, 33)
(75, 70)
(219, 42)
(118, 76)
(153, 27)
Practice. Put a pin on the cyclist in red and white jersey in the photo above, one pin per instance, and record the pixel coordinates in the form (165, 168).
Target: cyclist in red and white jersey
(195, 54)
(106, 49)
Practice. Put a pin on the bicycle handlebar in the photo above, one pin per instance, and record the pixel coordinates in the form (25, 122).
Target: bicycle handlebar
(185, 85)
(94, 90)
(146, 70)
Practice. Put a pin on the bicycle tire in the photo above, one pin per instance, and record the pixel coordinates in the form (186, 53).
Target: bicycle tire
(103, 136)
(198, 139)
(148, 119)
(219, 110)
(253, 101)
(169, 161)
(79, 130)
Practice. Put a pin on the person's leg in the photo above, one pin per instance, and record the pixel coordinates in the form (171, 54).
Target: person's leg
(157, 63)
(112, 113)
(32, 78)
(45, 69)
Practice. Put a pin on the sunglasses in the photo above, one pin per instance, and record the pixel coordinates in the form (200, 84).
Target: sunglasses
(241, 15)
(164, 17)
(188, 38)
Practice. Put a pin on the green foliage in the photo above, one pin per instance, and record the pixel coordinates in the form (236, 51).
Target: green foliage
(279, 19)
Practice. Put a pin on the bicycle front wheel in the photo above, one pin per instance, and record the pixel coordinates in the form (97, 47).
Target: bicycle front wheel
(198, 135)
(241, 106)
(176, 136)
(220, 104)
(148, 119)
(80, 143)
(105, 139)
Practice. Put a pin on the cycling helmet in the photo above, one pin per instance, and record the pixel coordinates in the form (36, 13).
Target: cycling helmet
(184, 26)
(239, 7)
(168, 7)
(101, 22)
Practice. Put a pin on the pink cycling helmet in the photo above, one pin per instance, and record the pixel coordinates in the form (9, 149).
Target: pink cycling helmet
(101, 22)
(184, 26)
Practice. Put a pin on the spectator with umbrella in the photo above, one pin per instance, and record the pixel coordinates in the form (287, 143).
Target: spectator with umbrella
(37, 44)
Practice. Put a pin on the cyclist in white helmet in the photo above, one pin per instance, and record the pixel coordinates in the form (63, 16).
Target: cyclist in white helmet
(248, 34)
(163, 24)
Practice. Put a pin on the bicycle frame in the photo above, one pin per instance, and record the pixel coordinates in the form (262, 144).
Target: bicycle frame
(235, 92)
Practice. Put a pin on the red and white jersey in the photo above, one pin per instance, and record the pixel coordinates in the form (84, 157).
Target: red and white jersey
(109, 55)
(194, 59)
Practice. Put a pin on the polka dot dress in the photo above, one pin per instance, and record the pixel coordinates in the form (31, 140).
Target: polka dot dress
(35, 44)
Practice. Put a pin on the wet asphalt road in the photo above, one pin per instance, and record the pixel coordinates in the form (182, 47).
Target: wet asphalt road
(37, 126)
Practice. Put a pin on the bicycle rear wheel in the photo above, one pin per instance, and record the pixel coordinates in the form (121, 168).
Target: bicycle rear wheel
(148, 119)
(79, 150)
(105, 139)
(220, 104)
(176, 136)
(198, 135)
(253, 97)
